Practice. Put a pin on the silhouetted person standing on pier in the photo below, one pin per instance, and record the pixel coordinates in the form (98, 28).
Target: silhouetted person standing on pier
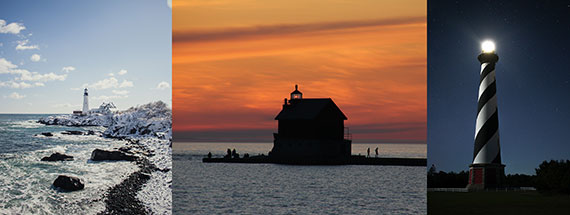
(228, 154)
(209, 154)
(368, 151)
(376, 150)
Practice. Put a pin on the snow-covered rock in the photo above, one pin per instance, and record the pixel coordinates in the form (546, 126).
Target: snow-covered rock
(153, 119)
(76, 120)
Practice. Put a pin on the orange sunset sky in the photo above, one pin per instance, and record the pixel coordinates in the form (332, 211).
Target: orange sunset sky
(234, 62)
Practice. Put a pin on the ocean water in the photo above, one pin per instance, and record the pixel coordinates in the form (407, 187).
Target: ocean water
(221, 188)
(26, 182)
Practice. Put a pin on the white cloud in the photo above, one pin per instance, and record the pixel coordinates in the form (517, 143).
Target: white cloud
(35, 57)
(20, 85)
(24, 78)
(23, 45)
(12, 28)
(120, 92)
(107, 98)
(6, 66)
(108, 83)
(162, 85)
(111, 74)
(126, 84)
(15, 71)
(169, 3)
(122, 72)
(67, 105)
(68, 69)
(15, 85)
(15, 95)
(111, 82)
(34, 76)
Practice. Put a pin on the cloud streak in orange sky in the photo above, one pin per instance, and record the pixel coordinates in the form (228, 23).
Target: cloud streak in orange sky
(264, 31)
(374, 70)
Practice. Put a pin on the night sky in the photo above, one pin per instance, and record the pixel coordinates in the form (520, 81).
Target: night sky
(533, 80)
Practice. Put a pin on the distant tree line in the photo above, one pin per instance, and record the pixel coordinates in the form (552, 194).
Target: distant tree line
(443, 179)
(519, 180)
(551, 176)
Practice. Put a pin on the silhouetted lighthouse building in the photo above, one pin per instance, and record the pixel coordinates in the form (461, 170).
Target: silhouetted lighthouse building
(486, 171)
(310, 131)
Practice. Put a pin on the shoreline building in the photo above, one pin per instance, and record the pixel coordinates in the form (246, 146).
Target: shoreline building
(310, 131)
(487, 171)
(105, 108)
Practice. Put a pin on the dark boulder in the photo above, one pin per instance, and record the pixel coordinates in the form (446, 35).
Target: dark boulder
(102, 155)
(47, 134)
(68, 183)
(58, 157)
(73, 132)
(145, 131)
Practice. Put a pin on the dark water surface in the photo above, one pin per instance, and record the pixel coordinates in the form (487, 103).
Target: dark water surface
(218, 188)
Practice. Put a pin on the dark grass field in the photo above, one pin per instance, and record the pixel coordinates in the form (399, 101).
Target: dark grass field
(528, 202)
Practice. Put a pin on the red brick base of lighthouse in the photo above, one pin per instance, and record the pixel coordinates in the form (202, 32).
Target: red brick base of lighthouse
(486, 176)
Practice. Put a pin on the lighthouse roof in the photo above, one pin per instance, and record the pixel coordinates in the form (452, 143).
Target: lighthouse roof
(310, 109)
(296, 90)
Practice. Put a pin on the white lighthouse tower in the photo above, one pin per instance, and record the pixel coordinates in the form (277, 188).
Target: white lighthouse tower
(85, 102)
(487, 171)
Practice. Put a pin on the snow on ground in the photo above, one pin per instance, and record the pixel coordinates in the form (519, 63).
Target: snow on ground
(152, 119)
(156, 194)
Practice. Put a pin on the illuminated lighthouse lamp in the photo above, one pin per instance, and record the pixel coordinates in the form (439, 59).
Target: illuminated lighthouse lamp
(488, 46)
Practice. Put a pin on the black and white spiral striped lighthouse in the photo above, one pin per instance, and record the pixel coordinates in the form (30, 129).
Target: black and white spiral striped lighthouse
(486, 171)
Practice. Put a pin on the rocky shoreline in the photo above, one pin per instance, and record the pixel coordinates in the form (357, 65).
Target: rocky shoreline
(147, 130)
(121, 199)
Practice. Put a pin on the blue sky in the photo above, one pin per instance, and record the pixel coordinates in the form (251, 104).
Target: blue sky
(50, 50)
